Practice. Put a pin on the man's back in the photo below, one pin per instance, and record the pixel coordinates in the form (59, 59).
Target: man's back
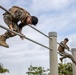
(61, 46)
(20, 13)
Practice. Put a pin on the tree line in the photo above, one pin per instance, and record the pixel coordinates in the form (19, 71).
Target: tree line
(63, 69)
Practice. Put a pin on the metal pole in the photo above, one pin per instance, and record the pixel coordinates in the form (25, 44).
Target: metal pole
(74, 56)
(53, 54)
(7, 11)
(40, 32)
(24, 37)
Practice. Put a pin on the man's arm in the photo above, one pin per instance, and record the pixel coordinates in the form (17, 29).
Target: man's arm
(21, 25)
(10, 27)
(64, 45)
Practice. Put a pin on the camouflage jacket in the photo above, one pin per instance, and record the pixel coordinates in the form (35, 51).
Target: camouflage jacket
(20, 14)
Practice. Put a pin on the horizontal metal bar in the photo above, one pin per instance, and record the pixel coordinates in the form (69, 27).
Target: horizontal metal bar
(24, 37)
(43, 34)
(39, 31)
(7, 11)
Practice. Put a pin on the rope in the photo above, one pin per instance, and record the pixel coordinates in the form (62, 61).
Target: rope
(24, 37)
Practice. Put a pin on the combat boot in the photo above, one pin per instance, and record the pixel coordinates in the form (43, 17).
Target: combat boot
(3, 41)
(61, 59)
(4, 37)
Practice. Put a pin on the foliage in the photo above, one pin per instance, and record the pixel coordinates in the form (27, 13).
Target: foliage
(37, 71)
(65, 69)
(3, 70)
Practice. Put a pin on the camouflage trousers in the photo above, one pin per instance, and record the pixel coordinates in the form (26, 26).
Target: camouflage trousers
(8, 34)
(8, 22)
(66, 55)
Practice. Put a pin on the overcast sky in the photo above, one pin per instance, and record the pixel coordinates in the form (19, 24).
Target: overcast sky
(54, 15)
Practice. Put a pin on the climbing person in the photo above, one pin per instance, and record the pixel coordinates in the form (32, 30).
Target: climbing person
(61, 48)
(21, 19)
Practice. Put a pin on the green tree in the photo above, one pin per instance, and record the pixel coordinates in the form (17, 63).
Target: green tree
(37, 71)
(65, 69)
(3, 70)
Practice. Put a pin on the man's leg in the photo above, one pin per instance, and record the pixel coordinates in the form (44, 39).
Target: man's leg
(2, 41)
(63, 56)
(71, 57)
(4, 37)
(8, 34)
(61, 59)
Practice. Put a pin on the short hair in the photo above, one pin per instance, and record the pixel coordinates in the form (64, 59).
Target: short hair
(34, 20)
(66, 39)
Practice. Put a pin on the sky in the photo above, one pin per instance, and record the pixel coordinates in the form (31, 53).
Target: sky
(54, 16)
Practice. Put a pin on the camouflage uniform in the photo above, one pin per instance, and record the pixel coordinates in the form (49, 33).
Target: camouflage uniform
(20, 15)
(61, 49)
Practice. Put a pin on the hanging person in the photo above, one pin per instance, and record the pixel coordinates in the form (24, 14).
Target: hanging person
(61, 48)
(22, 16)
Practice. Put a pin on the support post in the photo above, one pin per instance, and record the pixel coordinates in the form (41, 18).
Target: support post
(53, 53)
(74, 56)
